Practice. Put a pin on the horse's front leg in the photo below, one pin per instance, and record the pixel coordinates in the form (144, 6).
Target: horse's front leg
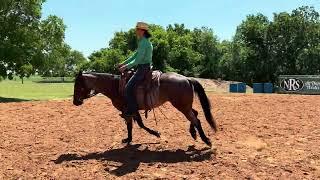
(129, 129)
(138, 119)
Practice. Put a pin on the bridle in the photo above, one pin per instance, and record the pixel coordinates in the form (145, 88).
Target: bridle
(91, 94)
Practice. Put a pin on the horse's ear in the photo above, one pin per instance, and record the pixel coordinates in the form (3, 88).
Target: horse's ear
(80, 73)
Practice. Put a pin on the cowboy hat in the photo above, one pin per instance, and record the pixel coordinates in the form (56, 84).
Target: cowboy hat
(142, 25)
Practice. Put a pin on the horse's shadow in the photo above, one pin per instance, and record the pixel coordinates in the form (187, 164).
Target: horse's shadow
(131, 156)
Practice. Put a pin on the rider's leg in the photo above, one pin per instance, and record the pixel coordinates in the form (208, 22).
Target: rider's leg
(129, 95)
(137, 78)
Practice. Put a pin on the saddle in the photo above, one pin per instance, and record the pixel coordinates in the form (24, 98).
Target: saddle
(147, 92)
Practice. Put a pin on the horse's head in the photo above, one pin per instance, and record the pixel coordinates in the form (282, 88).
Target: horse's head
(81, 91)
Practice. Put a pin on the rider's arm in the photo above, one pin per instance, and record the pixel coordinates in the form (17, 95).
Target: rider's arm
(131, 58)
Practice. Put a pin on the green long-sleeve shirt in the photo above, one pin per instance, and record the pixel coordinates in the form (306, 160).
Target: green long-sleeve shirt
(143, 55)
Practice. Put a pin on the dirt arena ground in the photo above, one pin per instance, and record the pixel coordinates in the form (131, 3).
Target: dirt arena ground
(260, 137)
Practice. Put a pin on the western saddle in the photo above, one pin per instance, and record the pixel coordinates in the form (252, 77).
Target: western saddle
(147, 93)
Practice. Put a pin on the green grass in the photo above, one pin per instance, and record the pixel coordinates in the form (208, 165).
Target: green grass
(33, 89)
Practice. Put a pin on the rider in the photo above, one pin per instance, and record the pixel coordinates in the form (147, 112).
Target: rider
(142, 60)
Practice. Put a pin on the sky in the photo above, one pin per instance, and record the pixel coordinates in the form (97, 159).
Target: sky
(92, 23)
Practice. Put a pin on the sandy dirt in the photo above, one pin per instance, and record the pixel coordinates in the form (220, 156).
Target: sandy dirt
(260, 137)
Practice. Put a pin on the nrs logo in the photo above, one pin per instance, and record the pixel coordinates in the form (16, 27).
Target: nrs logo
(292, 84)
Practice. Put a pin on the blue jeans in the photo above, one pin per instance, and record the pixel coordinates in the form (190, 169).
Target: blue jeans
(137, 78)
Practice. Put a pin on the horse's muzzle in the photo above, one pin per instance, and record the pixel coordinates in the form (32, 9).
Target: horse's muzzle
(77, 102)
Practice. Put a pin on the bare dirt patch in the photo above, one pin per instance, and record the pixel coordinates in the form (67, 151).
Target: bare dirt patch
(260, 136)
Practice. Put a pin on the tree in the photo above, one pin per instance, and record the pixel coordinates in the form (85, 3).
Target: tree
(294, 41)
(160, 47)
(74, 61)
(54, 49)
(287, 45)
(182, 57)
(54, 63)
(29, 44)
(206, 43)
(251, 36)
(104, 60)
(59, 59)
(25, 71)
(260, 50)
(19, 35)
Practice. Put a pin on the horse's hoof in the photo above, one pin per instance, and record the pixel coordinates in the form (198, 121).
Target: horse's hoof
(193, 134)
(127, 140)
(157, 134)
(209, 143)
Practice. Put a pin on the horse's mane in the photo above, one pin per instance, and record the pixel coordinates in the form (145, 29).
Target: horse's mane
(102, 75)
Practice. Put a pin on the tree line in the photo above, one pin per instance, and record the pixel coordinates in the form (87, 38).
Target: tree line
(29, 44)
(260, 50)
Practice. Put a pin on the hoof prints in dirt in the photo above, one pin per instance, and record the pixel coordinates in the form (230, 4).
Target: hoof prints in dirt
(260, 136)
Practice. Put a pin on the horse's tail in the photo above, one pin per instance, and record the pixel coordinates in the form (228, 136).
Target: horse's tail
(205, 103)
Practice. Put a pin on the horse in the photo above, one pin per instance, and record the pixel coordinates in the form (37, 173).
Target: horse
(174, 88)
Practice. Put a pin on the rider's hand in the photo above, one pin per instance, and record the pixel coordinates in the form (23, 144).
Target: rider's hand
(122, 68)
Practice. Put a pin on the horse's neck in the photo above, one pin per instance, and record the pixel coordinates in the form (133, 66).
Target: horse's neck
(110, 88)
(105, 85)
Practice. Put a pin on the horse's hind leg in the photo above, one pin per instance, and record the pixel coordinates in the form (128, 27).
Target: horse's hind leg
(141, 125)
(191, 116)
(192, 129)
(195, 112)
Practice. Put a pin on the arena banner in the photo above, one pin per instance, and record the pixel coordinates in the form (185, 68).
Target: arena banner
(299, 84)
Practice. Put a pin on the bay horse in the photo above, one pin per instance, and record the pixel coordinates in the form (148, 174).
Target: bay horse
(175, 88)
